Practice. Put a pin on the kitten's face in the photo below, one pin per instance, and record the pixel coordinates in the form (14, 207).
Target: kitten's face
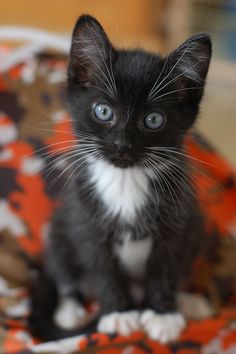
(127, 103)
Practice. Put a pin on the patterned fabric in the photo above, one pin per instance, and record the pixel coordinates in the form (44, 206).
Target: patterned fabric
(34, 129)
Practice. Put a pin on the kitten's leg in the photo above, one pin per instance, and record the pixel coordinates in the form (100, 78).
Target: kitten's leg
(161, 320)
(116, 313)
(44, 300)
(69, 313)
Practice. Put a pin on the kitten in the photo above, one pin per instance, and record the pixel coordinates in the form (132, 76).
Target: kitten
(129, 225)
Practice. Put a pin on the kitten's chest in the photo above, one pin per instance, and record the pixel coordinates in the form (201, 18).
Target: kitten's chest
(123, 191)
(133, 254)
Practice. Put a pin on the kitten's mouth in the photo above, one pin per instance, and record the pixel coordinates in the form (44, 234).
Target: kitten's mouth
(123, 160)
(123, 163)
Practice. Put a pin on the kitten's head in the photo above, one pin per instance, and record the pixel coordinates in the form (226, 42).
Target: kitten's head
(127, 102)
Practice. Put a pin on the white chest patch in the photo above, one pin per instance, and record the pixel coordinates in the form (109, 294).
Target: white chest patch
(122, 190)
(133, 255)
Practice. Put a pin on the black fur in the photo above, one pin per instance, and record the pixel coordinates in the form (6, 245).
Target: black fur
(80, 254)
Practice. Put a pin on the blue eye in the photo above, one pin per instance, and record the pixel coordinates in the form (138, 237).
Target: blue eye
(103, 112)
(154, 120)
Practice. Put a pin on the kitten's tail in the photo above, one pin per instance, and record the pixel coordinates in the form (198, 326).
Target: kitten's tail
(44, 300)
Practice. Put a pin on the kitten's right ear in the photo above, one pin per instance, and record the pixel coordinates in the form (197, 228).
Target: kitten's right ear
(91, 51)
(191, 59)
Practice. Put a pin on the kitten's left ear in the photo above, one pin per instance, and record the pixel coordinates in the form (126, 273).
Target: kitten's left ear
(191, 59)
(91, 51)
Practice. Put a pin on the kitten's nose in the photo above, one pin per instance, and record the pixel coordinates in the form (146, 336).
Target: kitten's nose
(121, 145)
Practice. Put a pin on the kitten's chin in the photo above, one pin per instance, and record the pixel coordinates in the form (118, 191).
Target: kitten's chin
(121, 163)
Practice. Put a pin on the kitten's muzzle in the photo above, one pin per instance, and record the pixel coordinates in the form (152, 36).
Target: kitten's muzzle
(122, 154)
(123, 158)
(122, 147)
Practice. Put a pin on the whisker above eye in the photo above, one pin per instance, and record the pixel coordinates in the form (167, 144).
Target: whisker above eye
(107, 78)
(175, 91)
(162, 71)
(111, 76)
(168, 74)
(94, 86)
(109, 91)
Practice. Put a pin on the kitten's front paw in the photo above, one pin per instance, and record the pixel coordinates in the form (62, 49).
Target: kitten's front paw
(69, 313)
(123, 323)
(163, 328)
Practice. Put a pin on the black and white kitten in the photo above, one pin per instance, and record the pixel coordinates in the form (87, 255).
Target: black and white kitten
(129, 225)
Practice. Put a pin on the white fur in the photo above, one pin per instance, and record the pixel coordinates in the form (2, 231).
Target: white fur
(123, 323)
(123, 190)
(133, 254)
(68, 313)
(163, 328)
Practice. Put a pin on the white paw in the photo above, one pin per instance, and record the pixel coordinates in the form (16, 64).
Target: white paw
(163, 328)
(69, 313)
(123, 323)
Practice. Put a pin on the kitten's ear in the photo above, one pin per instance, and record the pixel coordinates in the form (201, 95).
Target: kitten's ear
(191, 59)
(91, 51)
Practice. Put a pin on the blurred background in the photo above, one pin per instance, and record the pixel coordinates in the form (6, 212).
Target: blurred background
(156, 25)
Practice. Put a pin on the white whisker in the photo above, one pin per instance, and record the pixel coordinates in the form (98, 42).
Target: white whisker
(176, 151)
(168, 185)
(175, 78)
(179, 90)
(190, 165)
(179, 178)
(113, 84)
(73, 174)
(67, 156)
(156, 173)
(162, 70)
(166, 77)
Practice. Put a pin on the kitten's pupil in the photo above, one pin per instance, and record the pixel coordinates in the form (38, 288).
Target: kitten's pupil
(103, 112)
(154, 120)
